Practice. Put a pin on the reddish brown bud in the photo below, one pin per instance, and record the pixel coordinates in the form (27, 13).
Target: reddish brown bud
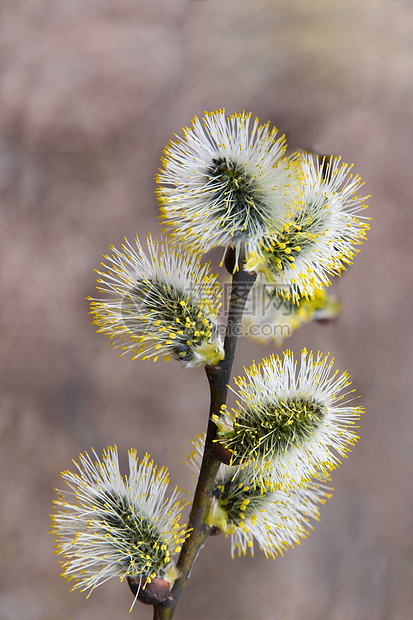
(222, 453)
(229, 260)
(215, 531)
(153, 593)
(225, 456)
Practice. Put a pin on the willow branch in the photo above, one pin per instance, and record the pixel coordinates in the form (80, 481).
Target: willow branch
(219, 376)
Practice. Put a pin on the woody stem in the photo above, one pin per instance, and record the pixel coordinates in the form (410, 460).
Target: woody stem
(219, 377)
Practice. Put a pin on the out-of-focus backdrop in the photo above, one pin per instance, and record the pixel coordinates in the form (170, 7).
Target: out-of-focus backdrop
(90, 93)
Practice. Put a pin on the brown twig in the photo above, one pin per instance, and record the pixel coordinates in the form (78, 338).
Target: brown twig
(219, 377)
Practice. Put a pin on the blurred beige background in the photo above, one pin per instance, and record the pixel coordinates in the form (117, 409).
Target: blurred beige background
(90, 93)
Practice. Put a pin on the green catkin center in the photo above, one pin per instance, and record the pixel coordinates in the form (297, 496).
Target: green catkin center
(237, 202)
(272, 427)
(178, 321)
(148, 552)
(299, 234)
(239, 501)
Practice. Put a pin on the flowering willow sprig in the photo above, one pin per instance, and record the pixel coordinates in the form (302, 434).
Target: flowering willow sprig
(248, 512)
(162, 305)
(226, 182)
(272, 317)
(319, 239)
(290, 422)
(109, 526)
